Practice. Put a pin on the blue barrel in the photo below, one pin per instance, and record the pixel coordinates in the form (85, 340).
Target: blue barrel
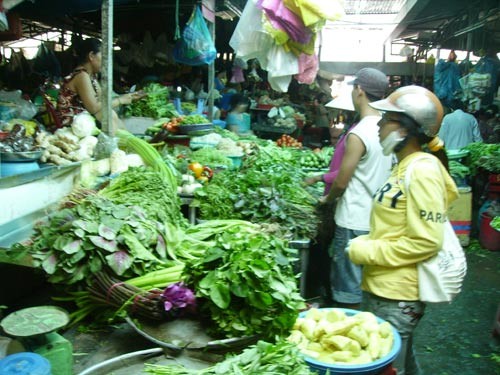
(25, 364)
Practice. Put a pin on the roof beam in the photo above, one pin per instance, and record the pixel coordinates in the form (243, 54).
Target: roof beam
(409, 12)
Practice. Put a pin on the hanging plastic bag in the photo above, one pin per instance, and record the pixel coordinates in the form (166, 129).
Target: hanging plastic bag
(281, 67)
(308, 68)
(46, 63)
(446, 82)
(249, 40)
(196, 46)
(4, 24)
(315, 12)
(284, 19)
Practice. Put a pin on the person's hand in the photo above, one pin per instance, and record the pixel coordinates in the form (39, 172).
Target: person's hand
(311, 180)
(125, 99)
(324, 200)
(138, 95)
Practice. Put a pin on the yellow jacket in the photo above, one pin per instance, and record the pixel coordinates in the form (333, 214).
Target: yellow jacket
(405, 228)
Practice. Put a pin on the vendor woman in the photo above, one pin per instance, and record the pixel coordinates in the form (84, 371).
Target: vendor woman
(237, 119)
(81, 91)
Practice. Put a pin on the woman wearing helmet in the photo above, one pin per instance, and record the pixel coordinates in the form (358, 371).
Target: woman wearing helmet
(406, 225)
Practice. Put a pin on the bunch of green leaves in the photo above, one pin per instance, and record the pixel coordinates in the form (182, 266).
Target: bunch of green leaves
(194, 119)
(459, 170)
(95, 234)
(483, 156)
(155, 104)
(146, 188)
(246, 285)
(188, 107)
(267, 189)
(495, 223)
(261, 359)
(211, 156)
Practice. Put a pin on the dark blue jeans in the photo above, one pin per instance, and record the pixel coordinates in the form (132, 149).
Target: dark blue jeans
(345, 276)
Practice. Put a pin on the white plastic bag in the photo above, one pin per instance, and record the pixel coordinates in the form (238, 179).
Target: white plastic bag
(249, 39)
(282, 65)
(440, 277)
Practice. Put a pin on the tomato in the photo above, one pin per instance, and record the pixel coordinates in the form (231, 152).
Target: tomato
(196, 168)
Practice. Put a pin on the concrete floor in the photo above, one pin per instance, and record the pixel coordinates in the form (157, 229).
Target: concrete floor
(452, 339)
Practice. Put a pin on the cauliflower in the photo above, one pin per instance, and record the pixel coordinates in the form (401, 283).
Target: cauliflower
(88, 143)
(118, 161)
(83, 125)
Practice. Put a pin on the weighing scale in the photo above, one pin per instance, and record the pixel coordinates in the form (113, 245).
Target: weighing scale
(35, 328)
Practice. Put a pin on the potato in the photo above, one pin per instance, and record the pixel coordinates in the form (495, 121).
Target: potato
(362, 358)
(342, 343)
(342, 356)
(335, 316)
(331, 336)
(357, 333)
(369, 327)
(314, 314)
(339, 328)
(298, 323)
(374, 345)
(366, 316)
(298, 339)
(307, 328)
(315, 346)
(386, 345)
(385, 329)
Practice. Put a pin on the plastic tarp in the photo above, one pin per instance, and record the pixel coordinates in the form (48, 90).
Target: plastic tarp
(446, 81)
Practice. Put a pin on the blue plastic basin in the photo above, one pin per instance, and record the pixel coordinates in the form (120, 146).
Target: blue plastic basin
(372, 368)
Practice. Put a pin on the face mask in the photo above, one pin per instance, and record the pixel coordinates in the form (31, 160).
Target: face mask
(390, 142)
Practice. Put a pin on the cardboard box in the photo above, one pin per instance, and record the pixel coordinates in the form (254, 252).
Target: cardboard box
(460, 214)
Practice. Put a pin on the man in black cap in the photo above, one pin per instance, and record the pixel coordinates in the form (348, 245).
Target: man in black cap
(363, 170)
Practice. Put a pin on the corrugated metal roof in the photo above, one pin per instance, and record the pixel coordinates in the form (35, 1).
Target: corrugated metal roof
(373, 6)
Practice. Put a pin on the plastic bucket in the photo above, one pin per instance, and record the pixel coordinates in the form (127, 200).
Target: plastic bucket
(25, 364)
(221, 124)
(489, 238)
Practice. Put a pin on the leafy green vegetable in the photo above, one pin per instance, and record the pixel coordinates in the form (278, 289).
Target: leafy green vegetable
(75, 242)
(194, 119)
(261, 359)
(155, 104)
(495, 223)
(267, 190)
(245, 284)
(188, 107)
(483, 156)
(147, 189)
(458, 169)
(211, 157)
(123, 228)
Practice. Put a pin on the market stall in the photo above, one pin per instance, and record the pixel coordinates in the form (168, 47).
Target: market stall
(194, 237)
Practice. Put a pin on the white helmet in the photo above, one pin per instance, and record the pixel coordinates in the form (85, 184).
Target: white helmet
(416, 102)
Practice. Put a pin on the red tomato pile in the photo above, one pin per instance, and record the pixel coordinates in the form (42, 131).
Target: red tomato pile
(288, 141)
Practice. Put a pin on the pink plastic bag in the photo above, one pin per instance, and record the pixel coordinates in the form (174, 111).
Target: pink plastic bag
(308, 68)
(284, 19)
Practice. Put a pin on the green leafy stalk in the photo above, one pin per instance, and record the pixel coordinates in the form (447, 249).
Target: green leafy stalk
(261, 359)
